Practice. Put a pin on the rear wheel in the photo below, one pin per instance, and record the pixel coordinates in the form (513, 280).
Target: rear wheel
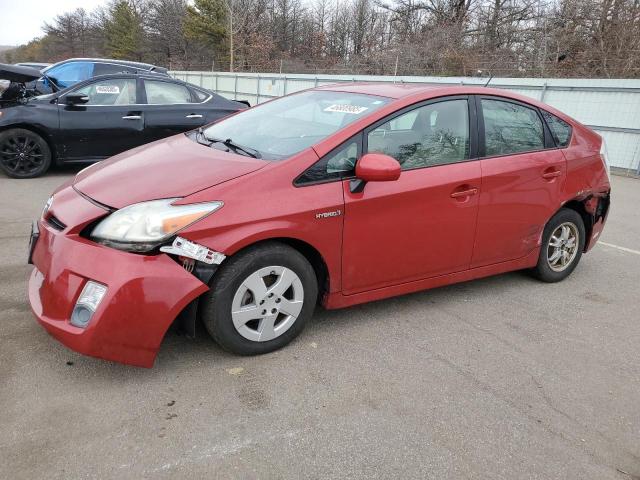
(562, 244)
(260, 300)
(23, 153)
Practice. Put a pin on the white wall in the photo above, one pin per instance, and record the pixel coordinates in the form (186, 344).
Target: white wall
(610, 107)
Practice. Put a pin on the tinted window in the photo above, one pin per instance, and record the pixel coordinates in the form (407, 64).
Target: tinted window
(435, 134)
(288, 125)
(164, 93)
(70, 73)
(108, 68)
(336, 164)
(511, 128)
(121, 91)
(560, 130)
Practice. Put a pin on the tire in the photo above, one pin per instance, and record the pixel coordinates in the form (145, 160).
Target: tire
(233, 313)
(559, 256)
(23, 153)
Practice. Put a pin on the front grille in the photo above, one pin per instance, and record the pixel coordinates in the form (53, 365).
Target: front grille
(55, 223)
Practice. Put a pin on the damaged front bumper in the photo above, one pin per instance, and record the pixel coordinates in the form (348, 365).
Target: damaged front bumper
(144, 293)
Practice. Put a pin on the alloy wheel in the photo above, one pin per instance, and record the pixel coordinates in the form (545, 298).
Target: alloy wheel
(21, 155)
(563, 246)
(267, 303)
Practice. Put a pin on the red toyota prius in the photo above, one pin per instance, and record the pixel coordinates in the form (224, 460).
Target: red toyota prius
(337, 195)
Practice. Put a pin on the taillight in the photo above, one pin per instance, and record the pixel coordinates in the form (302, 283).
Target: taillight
(605, 157)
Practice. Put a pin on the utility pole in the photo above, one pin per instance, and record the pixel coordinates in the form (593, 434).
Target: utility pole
(227, 3)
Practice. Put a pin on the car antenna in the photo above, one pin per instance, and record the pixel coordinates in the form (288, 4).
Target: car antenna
(489, 81)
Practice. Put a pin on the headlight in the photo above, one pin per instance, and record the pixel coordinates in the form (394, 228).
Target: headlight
(143, 226)
(47, 206)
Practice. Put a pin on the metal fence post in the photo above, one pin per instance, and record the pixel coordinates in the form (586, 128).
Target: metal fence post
(543, 91)
(216, 82)
(235, 87)
(284, 86)
(258, 90)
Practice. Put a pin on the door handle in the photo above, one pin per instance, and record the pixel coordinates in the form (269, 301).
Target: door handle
(551, 174)
(464, 193)
(193, 115)
(132, 117)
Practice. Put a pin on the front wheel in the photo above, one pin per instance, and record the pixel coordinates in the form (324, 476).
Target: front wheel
(23, 153)
(562, 245)
(260, 300)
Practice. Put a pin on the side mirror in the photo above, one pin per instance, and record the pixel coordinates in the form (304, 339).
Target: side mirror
(76, 99)
(377, 167)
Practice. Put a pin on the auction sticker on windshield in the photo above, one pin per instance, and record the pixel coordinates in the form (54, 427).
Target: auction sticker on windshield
(107, 89)
(354, 109)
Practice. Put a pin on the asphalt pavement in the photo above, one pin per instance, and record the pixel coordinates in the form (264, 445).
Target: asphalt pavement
(500, 378)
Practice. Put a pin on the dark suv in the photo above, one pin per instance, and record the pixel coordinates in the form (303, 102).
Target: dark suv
(69, 72)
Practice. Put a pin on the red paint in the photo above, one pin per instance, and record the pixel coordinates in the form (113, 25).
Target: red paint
(428, 227)
(375, 167)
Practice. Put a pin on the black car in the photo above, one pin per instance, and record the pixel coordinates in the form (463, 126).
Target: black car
(98, 118)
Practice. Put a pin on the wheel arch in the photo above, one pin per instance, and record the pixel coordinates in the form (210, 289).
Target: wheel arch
(38, 131)
(580, 206)
(311, 253)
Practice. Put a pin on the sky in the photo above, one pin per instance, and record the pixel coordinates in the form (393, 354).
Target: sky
(21, 20)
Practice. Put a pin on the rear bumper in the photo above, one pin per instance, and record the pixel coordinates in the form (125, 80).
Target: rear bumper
(144, 296)
(600, 218)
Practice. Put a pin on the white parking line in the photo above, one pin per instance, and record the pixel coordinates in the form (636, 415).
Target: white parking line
(624, 249)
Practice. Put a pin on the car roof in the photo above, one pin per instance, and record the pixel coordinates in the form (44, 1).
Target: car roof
(145, 75)
(381, 89)
(425, 91)
(128, 63)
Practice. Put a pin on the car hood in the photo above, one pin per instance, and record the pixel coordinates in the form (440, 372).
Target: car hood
(173, 167)
(18, 74)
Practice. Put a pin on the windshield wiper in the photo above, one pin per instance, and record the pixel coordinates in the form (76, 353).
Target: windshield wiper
(200, 135)
(232, 145)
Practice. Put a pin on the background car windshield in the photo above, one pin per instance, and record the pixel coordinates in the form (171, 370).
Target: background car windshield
(286, 126)
(70, 73)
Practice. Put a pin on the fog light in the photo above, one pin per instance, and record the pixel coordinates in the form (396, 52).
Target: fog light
(88, 301)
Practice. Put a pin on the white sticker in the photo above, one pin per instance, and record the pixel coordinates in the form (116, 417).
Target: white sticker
(354, 109)
(114, 89)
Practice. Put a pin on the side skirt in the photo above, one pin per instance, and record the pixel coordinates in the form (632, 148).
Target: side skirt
(338, 300)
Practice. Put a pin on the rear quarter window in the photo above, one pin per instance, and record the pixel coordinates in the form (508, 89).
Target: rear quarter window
(200, 95)
(560, 130)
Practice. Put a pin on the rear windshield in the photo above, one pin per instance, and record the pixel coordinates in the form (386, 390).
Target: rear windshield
(288, 125)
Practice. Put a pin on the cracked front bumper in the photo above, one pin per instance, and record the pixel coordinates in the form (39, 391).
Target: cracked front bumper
(144, 296)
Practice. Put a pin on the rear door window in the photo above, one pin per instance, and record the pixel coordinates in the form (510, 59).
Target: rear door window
(165, 93)
(511, 128)
(109, 68)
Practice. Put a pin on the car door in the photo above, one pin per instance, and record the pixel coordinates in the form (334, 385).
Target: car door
(109, 123)
(522, 177)
(171, 108)
(423, 224)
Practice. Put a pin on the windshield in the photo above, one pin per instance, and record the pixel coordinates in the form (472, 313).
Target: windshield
(288, 125)
(69, 74)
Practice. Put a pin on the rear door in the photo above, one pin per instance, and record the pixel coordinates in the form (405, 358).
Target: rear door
(423, 224)
(522, 177)
(110, 123)
(170, 108)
